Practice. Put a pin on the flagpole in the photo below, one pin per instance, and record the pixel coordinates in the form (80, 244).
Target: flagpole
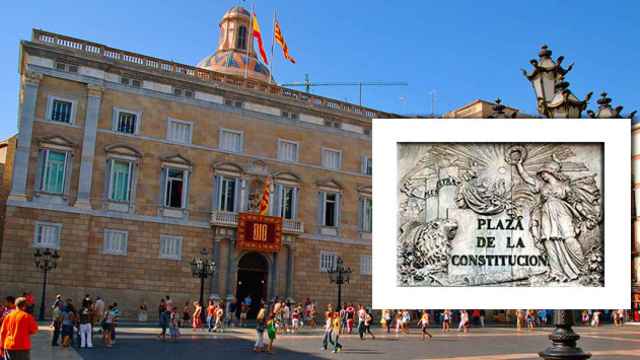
(273, 41)
(249, 41)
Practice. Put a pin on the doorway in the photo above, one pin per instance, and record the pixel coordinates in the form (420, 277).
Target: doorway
(253, 274)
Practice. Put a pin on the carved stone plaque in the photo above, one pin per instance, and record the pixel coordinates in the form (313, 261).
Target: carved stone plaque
(500, 214)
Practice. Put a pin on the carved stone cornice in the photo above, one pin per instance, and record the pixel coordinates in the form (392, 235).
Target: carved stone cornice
(31, 78)
(94, 90)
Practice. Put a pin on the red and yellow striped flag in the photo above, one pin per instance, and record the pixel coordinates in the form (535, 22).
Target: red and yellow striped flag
(283, 44)
(263, 209)
(258, 35)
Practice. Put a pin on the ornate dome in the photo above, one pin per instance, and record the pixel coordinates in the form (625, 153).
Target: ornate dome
(235, 54)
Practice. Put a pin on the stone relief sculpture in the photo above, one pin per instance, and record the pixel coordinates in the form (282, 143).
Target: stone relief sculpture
(500, 215)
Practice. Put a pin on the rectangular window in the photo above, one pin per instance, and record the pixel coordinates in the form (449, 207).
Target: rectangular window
(367, 166)
(287, 150)
(366, 213)
(47, 235)
(120, 180)
(331, 159)
(365, 265)
(54, 165)
(170, 247)
(233, 103)
(288, 201)
(330, 209)
(179, 131)
(115, 242)
(61, 111)
(174, 188)
(227, 194)
(327, 261)
(126, 122)
(290, 115)
(231, 140)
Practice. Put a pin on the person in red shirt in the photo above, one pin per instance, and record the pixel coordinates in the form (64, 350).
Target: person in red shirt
(16, 331)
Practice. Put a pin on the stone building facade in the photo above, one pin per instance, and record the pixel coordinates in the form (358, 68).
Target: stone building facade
(129, 165)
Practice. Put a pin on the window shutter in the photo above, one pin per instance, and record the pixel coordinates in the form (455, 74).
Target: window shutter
(320, 207)
(185, 189)
(236, 195)
(277, 200)
(107, 179)
(296, 192)
(338, 202)
(360, 214)
(215, 200)
(163, 186)
(245, 195)
(40, 172)
(67, 173)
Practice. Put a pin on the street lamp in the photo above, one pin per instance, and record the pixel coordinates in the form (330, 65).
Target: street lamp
(606, 111)
(45, 261)
(202, 267)
(339, 275)
(555, 100)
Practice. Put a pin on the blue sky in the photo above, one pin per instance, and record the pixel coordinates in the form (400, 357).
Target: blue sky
(460, 49)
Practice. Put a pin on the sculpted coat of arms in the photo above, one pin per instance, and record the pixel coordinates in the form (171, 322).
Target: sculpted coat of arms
(500, 214)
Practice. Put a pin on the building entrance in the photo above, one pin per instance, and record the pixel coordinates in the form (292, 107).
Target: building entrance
(253, 273)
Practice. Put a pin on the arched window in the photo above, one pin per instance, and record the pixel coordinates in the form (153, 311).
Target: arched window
(241, 40)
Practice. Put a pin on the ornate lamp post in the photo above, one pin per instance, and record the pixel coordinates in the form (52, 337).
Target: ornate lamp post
(606, 111)
(45, 261)
(202, 267)
(555, 100)
(340, 275)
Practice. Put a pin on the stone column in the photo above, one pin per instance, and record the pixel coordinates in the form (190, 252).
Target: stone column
(232, 268)
(94, 98)
(26, 117)
(215, 278)
(273, 287)
(289, 285)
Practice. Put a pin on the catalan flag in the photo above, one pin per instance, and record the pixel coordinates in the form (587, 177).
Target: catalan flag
(263, 208)
(283, 44)
(258, 36)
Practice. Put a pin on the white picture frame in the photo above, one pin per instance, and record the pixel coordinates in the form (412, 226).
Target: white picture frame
(615, 134)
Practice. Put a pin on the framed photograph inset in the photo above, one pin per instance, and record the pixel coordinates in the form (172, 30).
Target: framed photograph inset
(487, 213)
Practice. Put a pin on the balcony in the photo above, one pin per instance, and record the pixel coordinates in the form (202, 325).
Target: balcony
(230, 219)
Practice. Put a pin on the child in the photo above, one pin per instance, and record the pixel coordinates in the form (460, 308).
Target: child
(424, 323)
(173, 325)
(271, 332)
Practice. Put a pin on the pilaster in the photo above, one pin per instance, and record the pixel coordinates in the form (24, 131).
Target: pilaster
(94, 99)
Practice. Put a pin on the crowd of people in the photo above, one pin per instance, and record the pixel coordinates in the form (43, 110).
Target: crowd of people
(76, 325)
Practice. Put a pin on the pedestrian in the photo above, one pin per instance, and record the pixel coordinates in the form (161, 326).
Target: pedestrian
(186, 316)
(351, 314)
(446, 318)
(519, 319)
(244, 310)
(196, 321)
(85, 318)
(424, 324)
(362, 314)
(169, 303)
(68, 322)
(312, 315)
(114, 324)
(162, 307)
(163, 321)
(9, 306)
(56, 319)
(585, 318)
(406, 320)
(211, 313)
(531, 319)
(260, 327)
(295, 319)
(219, 316)
(98, 309)
(15, 332)
(337, 324)
(142, 313)
(286, 316)
(595, 320)
(31, 302)
(464, 321)
(271, 333)
(107, 326)
(620, 316)
(174, 329)
(386, 317)
(368, 320)
(482, 315)
(328, 328)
